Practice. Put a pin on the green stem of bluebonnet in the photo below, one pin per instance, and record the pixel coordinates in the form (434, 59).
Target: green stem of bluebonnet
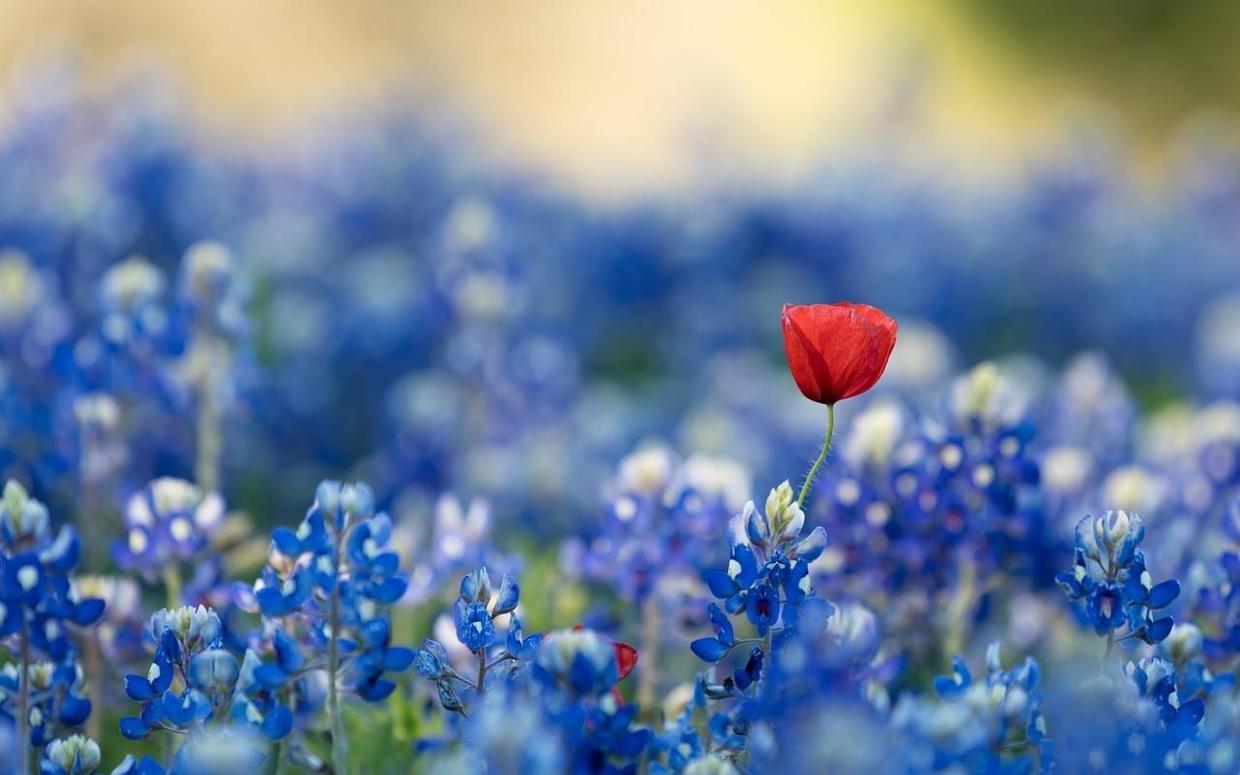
(23, 702)
(482, 672)
(172, 585)
(207, 465)
(768, 661)
(340, 745)
(90, 516)
(92, 665)
(822, 456)
(648, 675)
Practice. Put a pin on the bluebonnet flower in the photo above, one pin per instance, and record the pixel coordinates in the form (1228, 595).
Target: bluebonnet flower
(658, 533)
(1110, 578)
(662, 521)
(507, 732)
(39, 604)
(579, 662)
(210, 751)
(1215, 606)
(477, 608)
(995, 725)
(74, 755)
(579, 670)
(169, 526)
(930, 511)
(327, 587)
(1129, 716)
(767, 577)
(189, 675)
(1215, 748)
(57, 697)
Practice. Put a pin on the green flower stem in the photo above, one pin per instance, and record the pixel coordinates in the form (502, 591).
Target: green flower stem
(648, 675)
(23, 702)
(340, 744)
(282, 757)
(826, 447)
(211, 361)
(481, 684)
(172, 584)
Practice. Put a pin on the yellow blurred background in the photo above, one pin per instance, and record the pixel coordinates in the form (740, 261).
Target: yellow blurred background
(643, 95)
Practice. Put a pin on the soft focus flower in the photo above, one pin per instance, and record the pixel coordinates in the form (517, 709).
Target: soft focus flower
(75, 755)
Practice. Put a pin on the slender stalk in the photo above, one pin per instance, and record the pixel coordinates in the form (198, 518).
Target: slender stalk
(282, 757)
(23, 703)
(172, 585)
(90, 516)
(960, 607)
(92, 665)
(768, 659)
(648, 675)
(207, 465)
(340, 745)
(481, 684)
(826, 447)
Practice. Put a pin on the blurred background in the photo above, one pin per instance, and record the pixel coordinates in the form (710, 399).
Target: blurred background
(645, 96)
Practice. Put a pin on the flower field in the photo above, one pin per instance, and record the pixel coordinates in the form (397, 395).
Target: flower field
(359, 453)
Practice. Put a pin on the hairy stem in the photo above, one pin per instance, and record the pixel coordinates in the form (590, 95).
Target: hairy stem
(822, 456)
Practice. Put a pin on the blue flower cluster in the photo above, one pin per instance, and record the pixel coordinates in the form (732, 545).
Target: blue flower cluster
(42, 690)
(995, 725)
(474, 615)
(767, 577)
(1110, 578)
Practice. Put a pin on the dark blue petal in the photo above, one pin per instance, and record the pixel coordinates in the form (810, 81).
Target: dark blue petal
(720, 583)
(138, 688)
(398, 659)
(709, 649)
(134, 728)
(1162, 595)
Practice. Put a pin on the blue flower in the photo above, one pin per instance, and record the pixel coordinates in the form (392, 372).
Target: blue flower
(75, 755)
(1110, 577)
(762, 607)
(473, 625)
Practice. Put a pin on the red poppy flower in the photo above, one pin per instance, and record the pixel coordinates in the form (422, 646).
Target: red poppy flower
(836, 351)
